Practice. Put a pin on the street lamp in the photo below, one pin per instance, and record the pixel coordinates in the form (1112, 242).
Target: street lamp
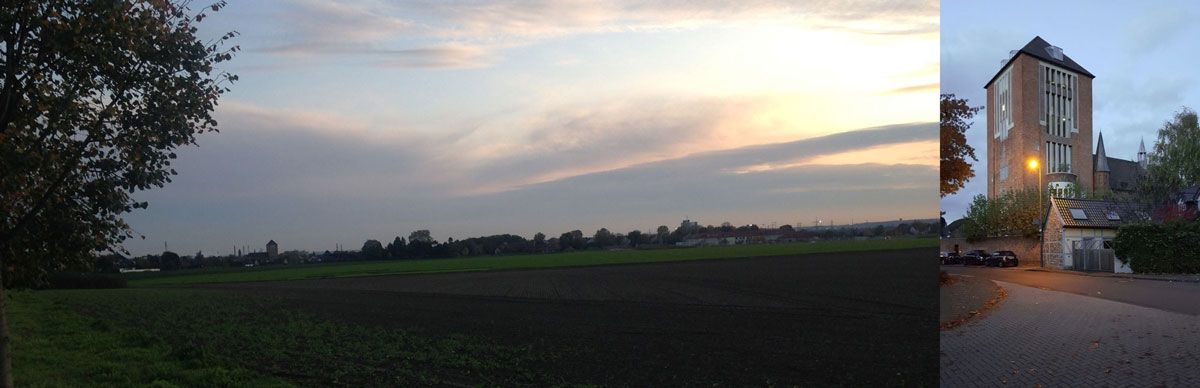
(1033, 165)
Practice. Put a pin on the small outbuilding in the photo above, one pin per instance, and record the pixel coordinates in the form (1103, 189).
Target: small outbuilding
(1079, 233)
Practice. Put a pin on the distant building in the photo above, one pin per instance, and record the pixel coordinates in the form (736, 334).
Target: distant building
(272, 250)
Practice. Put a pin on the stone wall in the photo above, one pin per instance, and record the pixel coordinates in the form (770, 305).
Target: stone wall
(1028, 250)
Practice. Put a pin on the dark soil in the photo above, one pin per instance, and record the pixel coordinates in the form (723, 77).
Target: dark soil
(862, 319)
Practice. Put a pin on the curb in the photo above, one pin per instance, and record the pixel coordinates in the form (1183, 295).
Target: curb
(1187, 279)
(1000, 294)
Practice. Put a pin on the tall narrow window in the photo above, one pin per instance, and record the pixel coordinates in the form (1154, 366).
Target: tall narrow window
(1057, 89)
(1003, 106)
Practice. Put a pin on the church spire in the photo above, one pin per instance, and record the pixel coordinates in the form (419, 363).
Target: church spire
(1141, 158)
(1101, 158)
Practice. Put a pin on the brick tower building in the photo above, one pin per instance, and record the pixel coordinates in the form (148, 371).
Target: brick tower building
(1039, 107)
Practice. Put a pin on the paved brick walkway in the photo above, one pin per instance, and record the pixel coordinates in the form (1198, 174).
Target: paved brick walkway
(1055, 339)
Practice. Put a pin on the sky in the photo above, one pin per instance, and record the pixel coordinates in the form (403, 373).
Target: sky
(1143, 55)
(356, 120)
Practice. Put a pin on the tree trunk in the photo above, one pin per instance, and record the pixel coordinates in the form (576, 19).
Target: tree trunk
(6, 371)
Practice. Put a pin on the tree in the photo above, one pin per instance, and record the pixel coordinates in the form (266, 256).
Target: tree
(577, 239)
(603, 238)
(635, 238)
(373, 249)
(170, 261)
(420, 243)
(956, 119)
(566, 241)
(661, 233)
(397, 248)
(1175, 162)
(1020, 213)
(979, 222)
(95, 96)
(108, 263)
(539, 241)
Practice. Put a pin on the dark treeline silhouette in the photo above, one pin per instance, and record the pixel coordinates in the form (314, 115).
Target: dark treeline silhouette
(421, 244)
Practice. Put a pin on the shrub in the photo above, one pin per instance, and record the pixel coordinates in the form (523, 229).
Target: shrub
(77, 280)
(1167, 248)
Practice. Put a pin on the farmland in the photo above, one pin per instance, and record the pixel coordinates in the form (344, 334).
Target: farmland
(834, 318)
(571, 259)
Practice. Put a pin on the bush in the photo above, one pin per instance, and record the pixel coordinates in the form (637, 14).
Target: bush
(1167, 248)
(79, 280)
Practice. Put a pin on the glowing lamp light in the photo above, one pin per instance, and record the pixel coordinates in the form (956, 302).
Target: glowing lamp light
(1032, 164)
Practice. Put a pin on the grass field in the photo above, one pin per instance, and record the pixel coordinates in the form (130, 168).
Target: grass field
(571, 259)
(180, 337)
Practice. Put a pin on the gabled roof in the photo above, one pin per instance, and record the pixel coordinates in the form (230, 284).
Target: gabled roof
(1037, 48)
(1190, 194)
(1096, 212)
(272, 242)
(1124, 175)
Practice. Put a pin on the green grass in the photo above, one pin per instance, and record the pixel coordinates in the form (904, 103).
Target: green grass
(183, 337)
(55, 346)
(583, 258)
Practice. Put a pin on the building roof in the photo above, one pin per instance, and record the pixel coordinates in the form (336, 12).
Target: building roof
(1124, 175)
(1039, 48)
(272, 242)
(1100, 159)
(1095, 212)
(1190, 194)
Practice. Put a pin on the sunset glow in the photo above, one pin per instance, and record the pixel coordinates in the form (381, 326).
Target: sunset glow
(386, 112)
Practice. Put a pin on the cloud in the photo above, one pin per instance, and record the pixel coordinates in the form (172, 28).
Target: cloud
(581, 138)
(925, 88)
(311, 189)
(469, 34)
(446, 57)
(1155, 28)
(545, 19)
(318, 26)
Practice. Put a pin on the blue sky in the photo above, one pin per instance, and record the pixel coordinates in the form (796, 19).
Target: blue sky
(1143, 55)
(370, 119)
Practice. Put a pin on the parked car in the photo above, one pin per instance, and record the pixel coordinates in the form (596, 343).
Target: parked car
(975, 257)
(1002, 259)
(950, 258)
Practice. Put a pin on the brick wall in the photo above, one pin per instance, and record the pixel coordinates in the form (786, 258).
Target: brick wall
(1053, 240)
(1026, 140)
(1028, 250)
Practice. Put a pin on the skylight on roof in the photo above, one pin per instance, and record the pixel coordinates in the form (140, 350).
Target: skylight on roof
(1055, 52)
(1113, 216)
(1078, 214)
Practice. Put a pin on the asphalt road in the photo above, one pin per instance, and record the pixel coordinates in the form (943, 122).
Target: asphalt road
(1174, 296)
(864, 318)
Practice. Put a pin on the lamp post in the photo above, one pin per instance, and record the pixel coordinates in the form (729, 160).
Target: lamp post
(1033, 165)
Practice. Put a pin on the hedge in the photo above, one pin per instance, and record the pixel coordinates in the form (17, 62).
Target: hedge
(1173, 247)
(78, 280)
